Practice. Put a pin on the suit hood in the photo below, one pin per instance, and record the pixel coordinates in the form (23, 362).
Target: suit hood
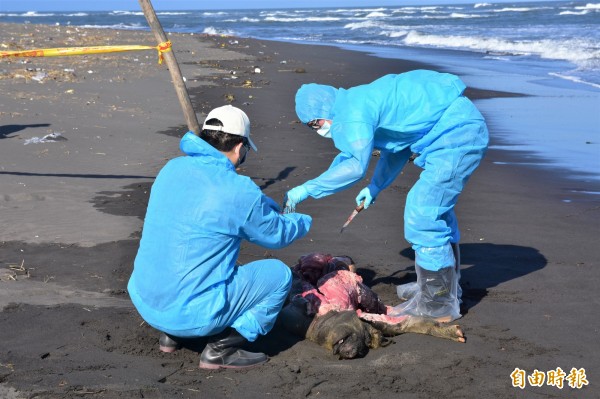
(315, 101)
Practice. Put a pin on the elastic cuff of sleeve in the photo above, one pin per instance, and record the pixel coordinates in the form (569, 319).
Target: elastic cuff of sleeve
(373, 189)
(303, 191)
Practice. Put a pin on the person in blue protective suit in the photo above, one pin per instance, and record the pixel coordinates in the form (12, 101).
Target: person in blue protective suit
(185, 280)
(421, 115)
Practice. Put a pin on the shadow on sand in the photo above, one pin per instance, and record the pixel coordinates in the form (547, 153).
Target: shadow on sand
(491, 265)
(5, 130)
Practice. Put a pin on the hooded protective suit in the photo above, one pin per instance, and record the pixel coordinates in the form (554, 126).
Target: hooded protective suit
(422, 112)
(185, 280)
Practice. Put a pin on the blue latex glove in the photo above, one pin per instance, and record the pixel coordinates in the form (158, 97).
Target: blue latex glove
(293, 197)
(368, 195)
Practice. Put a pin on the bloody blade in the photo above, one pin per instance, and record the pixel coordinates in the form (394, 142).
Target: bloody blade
(352, 215)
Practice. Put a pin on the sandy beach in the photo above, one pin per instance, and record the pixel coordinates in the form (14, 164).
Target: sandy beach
(72, 210)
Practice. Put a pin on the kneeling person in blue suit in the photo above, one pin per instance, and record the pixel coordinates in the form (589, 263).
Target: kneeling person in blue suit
(185, 280)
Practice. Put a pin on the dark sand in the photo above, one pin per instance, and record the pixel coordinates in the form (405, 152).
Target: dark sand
(71, 215)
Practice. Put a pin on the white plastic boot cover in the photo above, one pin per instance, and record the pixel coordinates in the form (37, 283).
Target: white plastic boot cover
(435, 295)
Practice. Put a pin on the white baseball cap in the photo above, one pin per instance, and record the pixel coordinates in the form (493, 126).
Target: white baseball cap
(234, 120)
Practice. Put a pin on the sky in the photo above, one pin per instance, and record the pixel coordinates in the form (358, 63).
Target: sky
(111, 5)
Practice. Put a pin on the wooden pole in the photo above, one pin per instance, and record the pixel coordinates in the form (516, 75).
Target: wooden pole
(169, 56)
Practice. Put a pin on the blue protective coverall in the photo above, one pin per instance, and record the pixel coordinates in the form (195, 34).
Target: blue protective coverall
(422, 112)
(185, 280)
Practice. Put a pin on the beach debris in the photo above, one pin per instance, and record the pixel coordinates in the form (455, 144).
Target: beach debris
(229, 97)
(16, 271)
(40, 76)
(49, 138)
(9, 366)
(232, 73)
(257, 70)
(297, 70)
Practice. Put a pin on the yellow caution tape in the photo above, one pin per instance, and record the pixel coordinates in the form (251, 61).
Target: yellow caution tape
(163, 48)
(58, 52)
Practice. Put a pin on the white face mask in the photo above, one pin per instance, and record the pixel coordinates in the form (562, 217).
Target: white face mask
(324, 130)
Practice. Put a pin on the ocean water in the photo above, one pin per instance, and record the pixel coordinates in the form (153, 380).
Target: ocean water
(548, 50)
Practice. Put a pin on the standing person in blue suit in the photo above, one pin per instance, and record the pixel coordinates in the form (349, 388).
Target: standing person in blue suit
(422, 114)
(185, 281)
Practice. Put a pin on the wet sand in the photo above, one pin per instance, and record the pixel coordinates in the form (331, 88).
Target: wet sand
(72, 211)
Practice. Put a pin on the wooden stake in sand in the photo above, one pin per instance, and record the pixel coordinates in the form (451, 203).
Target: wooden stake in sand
(169, 56)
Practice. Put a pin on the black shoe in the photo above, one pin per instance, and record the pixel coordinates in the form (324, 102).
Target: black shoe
(223, 351)
(167, 344)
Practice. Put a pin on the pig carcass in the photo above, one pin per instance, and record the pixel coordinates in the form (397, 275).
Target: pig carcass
(330, 305)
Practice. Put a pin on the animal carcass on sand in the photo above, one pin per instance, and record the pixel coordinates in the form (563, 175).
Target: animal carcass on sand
(331, 306)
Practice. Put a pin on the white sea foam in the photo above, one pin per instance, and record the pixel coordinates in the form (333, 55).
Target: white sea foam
(359, 10)
(118, 12)
(395, 33)
(479, 5)
(363, 25)
(211, 30)
(586, 192)
(453, 15)
(35, 14)
(117, 26)
(514, 9)
(576, 51)
(459, 15)
(404, 11)
(292, 14)
(172, 13)
(582, 12)
(590, 6)
(302, 19)
(376, 15)
(574, 79)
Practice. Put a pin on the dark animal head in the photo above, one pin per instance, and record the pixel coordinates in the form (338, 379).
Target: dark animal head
(344, 334)
(351, 346)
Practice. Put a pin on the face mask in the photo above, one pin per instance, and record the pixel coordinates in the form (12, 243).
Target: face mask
(243, 157)
(324, 130)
